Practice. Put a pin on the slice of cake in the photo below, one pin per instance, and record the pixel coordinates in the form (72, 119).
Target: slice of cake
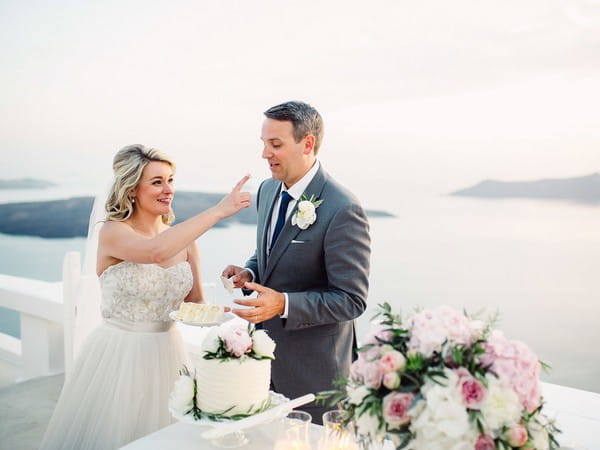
(200, 312)
(233, 371)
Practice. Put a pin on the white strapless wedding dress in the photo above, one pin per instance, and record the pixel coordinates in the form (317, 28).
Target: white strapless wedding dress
(120, 384)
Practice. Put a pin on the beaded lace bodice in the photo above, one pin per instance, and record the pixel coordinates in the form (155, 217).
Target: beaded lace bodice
(143, 292)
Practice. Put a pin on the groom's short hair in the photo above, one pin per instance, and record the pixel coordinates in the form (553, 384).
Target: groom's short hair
(305, 120)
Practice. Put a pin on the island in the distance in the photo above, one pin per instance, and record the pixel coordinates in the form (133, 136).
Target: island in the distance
(581, 189)
(26, 183)
(69, 218)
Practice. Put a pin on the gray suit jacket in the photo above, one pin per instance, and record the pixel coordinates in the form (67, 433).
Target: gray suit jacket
(324, 270)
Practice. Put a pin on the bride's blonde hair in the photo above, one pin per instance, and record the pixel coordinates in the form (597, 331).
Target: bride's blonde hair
(128, 165)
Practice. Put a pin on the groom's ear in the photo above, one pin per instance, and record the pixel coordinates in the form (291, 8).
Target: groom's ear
(309, 144)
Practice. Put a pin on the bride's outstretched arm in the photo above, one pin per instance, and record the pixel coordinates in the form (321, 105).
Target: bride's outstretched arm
(118, 240)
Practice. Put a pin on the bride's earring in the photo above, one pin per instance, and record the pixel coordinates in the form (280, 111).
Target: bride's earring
(132, 199)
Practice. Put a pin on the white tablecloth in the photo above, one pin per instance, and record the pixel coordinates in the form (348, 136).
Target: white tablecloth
(577, 414)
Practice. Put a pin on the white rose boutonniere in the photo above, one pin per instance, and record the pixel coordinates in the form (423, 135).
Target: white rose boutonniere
(306, 214)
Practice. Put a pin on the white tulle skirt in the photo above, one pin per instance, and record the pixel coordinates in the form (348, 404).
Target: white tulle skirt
(118, 390)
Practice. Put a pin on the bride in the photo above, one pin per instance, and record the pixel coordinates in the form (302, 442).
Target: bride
(121, 380)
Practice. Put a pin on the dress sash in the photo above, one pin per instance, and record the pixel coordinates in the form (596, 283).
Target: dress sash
(141, 327)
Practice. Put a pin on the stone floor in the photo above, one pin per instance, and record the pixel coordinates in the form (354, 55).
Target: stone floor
(25, 409)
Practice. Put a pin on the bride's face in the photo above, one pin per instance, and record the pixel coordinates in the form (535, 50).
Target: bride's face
(154, 193)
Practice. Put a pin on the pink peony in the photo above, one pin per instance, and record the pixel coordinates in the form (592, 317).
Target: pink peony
(517, 435)
(372, 375)
(391, 361)
(485, 442)
(472, 390)
(237, 341)
(395, 409)
(517, 366)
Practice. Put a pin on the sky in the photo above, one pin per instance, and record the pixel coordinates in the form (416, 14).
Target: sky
(422, 96)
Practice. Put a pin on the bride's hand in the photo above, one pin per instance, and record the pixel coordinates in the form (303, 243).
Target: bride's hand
(235, 200)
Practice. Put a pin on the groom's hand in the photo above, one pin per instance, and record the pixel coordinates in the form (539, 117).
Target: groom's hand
(269, 303)
(239, 274)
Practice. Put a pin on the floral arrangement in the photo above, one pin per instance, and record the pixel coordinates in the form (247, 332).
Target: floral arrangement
(225, 343)
(440, 380)
(222, 343)
(306, 214)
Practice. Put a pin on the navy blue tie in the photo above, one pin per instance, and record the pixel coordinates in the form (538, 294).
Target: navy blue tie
(283, 206)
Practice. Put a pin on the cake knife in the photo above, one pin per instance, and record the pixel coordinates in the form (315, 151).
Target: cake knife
(257, 419)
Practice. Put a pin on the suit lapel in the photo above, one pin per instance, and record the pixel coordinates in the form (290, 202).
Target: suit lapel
(289, 232)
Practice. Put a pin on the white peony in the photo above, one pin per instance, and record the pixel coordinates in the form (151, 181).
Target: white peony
(501, 406)
(441, 420)
(182, 396)
(305, 216)
(262, 344)
(211, 340)
(357, 394)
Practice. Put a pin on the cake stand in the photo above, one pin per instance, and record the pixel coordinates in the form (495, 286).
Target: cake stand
(236, 438)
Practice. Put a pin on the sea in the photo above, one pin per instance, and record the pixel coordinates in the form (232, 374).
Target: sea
(533, 263)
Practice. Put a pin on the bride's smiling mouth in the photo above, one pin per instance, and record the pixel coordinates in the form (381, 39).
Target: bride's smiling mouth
(166, 201)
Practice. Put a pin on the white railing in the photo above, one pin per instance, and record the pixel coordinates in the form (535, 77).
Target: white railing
(47, 316)
(40, 306)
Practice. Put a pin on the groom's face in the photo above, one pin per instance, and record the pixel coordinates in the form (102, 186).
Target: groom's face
(288, 160)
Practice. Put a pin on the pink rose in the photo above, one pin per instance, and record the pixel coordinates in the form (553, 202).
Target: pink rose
(517, 435)
(392, 361)
(391, 380)
(237, 341)
(372, 375)
(485, 442)
(395, 409)
(473, 392)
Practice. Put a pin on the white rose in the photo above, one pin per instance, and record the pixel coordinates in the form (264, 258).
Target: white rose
(182, 396)
(306, 220)
(262, 344)
(211, 340)
(305, 216)
(306, 207)
(357, 395)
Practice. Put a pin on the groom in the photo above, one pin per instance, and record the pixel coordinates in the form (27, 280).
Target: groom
(310, 269)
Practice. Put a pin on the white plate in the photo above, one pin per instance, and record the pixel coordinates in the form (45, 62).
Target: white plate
(224, 318)
(276, 400)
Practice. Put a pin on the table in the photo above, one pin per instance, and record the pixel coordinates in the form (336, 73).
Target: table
(184, 436)
(577, 414)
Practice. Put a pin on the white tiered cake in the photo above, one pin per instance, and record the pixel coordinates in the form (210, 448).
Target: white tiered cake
(237, 386)
(239, 382)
